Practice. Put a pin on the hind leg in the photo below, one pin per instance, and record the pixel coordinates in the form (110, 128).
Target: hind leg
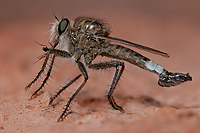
(117, 75)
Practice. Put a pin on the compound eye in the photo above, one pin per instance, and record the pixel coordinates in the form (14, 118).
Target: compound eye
(63, 25)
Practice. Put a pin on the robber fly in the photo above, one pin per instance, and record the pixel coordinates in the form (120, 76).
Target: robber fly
(89, 37)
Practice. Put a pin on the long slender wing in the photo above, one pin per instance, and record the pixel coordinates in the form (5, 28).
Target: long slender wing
(145, 48)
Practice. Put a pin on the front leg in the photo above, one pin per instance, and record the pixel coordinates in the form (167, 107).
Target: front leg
(39, 73)
(48, 51)
(46, 78)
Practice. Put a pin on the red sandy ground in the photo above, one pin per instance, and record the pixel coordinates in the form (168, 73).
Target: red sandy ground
(169, 27)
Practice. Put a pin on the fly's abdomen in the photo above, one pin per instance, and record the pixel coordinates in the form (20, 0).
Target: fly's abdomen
(123, 53)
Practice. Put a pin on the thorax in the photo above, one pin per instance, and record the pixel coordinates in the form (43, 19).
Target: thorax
(82, 32)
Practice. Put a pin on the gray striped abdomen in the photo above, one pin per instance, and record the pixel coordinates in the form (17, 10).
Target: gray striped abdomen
(123, 53)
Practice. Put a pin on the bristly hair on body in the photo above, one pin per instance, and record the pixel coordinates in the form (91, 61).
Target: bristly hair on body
(63, 39)
(53, 32)
(85, 38)
(104, 24)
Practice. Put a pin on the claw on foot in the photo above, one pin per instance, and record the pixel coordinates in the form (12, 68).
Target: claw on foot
(65, 113)
(27, 88)
(33, 96)
(60, 120)
(51, 100)
(122, 110)
(37, 93)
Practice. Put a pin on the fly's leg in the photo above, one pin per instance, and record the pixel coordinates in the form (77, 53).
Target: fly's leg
(104, 65)
(67, 85)
(55, 53)
(84, 73)
(113, 85)
(47, 77)
(42, 69)
(39, 73)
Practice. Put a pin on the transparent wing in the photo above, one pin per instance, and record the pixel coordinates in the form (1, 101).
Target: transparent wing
(145, 48)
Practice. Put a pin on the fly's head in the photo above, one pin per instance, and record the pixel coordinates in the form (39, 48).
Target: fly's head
(59, 30)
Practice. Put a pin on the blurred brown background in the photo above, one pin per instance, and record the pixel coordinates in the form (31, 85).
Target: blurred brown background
(172, 26)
